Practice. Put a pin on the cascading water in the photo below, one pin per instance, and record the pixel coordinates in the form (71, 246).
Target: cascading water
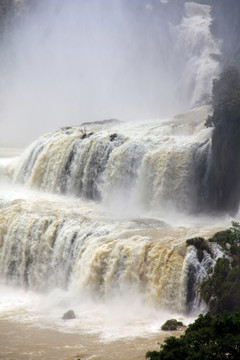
(131, 170)
(198, 269)
(199, 51)
(148, 164)
(101, 211)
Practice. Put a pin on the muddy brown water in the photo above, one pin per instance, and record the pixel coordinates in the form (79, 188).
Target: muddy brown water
(26, 342)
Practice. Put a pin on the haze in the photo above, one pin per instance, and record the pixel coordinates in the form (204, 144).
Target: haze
(68, 62)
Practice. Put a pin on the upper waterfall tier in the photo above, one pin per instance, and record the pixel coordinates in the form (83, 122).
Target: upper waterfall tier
(148, 164)
(142, 60)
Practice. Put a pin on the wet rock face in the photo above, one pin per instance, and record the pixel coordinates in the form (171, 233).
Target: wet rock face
(224, 172)
(69, 315)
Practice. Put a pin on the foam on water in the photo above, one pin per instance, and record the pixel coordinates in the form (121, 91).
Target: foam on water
(113, 305)
(121, 317)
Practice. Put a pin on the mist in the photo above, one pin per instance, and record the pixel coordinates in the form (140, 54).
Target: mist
(70, 62)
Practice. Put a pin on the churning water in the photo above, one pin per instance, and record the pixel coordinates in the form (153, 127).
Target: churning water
(95, 217)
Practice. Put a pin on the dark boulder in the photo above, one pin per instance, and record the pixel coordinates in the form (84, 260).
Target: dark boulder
(171, 325)
(69, 315)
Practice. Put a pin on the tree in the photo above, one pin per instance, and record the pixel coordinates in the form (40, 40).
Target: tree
(221, 289)
(208, 338)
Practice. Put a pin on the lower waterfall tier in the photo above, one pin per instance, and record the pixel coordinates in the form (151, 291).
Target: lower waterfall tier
(65, 243)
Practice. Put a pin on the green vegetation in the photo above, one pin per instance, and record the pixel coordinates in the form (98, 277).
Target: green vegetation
(228, 239)
(221, 290)
(208, 338)
(215, 335)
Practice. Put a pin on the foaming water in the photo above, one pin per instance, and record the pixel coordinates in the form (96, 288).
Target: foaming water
(104, 209)
(95, 217)
(123, 274)
(130, 167)
(119, 317)
(123, 277)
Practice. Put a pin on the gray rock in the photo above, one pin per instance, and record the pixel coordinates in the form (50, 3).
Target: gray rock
(69, 315)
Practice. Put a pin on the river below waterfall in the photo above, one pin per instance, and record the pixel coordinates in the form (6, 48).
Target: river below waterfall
(27, 342)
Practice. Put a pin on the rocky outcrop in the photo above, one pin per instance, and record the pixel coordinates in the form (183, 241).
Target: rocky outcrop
(69, 315)
(172, 325)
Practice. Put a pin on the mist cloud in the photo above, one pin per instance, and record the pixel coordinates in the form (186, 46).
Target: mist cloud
(74, 61)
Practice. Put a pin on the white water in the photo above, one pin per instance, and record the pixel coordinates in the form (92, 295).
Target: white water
(120, 317)
(120, 287)
(199, 50)
(120, 263)
(130, 167)
(95, 217)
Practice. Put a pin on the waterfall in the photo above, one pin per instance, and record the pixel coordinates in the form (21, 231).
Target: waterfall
(198, 51)
(43, 248)
(50, 238)
(64, 66)
(102, 210)
(198, 270)
(150, 164)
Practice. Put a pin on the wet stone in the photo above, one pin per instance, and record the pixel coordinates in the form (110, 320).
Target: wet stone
(69, 315)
